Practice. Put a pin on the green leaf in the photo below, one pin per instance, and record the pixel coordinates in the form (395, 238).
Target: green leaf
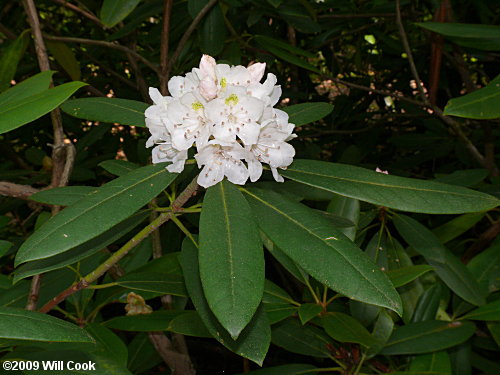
(447, 266)
(213, 32)
(4, 247)
(404, 275)
(113, 11)
(486, 268)
(154, 282)
(344, 328)
(66, 58)
(490, 311)
(118, 167)
(390, 191)
(433, 363)
(426, 337)
(82, 251)
(305, 113)
(296, 338)
(121, 111)
(156, 321)
(189, 323)
(253, 342)
(481, 104)
(11, 56)
(17, 324)
(307, 311)
(108, 345)
(284, 45)
(382, 331)
(347, 208)
(293, 369)
(98, 212)
(457, 226)
(63, 196)
(464, 177)
(230, 244)
(330, 257)
(485, 37)
(284, 54)
(23, 111)
(34, 85)
(428, 304)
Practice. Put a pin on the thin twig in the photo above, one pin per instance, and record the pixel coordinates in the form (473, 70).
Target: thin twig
(81, 11)
(454, 125)
(10, 189)
(165, 36)
(103, 43)
(139, 78)
(119, 254)
(407, 48)
(186, 36)
(36, 281)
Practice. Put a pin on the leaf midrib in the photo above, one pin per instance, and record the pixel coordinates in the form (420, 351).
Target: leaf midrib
(322, 240)
(376, 184)
(92, 207)
(229, 246)
(104, 101)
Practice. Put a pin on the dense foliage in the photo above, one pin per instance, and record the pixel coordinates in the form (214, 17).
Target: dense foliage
(378, 254)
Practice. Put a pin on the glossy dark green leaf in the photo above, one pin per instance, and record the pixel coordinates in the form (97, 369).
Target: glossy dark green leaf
(294, 369)
(284, 54)
(253, 342)
(213, 32)
(23, 111)
(301, 339)
(494, 329)
(65, 57)
(231, 257)
(457, 226)
(80, 252)
(426, 337)
(156, 321)
(63, 196)
(345, 328)
(486, 268)
(391, 191)
(331, 257)
(464, 177)
(460, 359)
(382, 330)
(189, 323)
(428, 304)
(487, 366)
(305, 113)
(448, 267)
(437, 363)
(480, 104)
(11, 56)
(118, 167)
(142, 355)
(154, 282)
(307, 311)
(279, 304)
(108, 344)
(18, 324)
(113, 11)
(31, 86)
(347, 208)
(89, 217)
(490, 311)
(485, 37)
(404, 275)
(4, 247)
(121, 111)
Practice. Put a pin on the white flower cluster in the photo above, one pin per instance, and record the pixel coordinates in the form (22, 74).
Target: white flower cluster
(228, 115)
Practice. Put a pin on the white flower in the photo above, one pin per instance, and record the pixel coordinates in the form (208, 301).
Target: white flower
(222, 160)
(237, 114)
(229, 116)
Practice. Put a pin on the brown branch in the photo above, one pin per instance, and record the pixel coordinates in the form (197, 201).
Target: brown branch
(482, 242)
(165, 36)
(139, 78)
(180, 364)
(81, 11)
(188, 192)
(103, 43)
(454, 125)
(34, 291)
(186, 36)
(10, 189)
